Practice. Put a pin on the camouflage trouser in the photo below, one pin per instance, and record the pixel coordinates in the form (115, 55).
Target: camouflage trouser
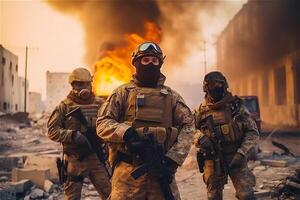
(242, 178)
(89, 167)
(124, 187)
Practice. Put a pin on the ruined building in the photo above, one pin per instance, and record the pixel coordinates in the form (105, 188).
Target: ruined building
(259, 51)
(12, 87)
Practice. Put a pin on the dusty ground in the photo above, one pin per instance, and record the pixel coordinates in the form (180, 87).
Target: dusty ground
(20, 140)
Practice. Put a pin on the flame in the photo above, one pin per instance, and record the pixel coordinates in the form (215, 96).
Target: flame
(114, 68)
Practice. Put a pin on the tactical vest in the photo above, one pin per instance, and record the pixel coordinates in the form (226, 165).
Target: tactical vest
(231, 130)
(149, 110)
(72, 122)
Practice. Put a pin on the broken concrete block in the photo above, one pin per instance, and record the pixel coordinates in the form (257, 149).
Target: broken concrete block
(262, 194)
(274, 163)
(48, 186)
(37, 176)
(7, 193)
(43, 161)
(22, 186)
(37, 194)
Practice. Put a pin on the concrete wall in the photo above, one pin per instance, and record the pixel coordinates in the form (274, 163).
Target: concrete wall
(264, 86)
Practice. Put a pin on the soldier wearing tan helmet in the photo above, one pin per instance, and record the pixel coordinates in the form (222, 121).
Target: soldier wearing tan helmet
(72, 123)
(227, 134)
(149, 131)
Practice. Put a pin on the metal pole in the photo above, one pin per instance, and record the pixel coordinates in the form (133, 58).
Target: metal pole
(205, 64)
(25, 87)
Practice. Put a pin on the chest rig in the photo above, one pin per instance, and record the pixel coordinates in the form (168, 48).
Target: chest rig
(74, 115)
(231, 130)
(150, 110)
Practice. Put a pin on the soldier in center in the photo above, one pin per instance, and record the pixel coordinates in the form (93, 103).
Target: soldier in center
(149, 130)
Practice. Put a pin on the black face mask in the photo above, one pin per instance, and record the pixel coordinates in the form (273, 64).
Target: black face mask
(148, 75)
(216, 93)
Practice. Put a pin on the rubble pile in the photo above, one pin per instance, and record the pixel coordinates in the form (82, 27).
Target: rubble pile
(28, 160)
(289, 188)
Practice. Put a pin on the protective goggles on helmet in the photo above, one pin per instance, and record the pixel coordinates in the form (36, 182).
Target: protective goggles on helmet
(145, 46)
(148, 49)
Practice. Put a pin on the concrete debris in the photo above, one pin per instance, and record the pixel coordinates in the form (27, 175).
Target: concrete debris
(36, 194)
(42, 162)
(48, 186)
(37, 176)
(18, 117)
(7, 193)
(288, 188)
(21, 186)
(262, 194)
(274, 163)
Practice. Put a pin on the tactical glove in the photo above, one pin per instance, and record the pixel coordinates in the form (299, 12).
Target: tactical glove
(237, 161)
(172, 168)
(79, 138)
(133, 141)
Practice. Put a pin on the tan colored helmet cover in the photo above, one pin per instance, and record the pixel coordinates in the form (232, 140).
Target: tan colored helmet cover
(80, 74)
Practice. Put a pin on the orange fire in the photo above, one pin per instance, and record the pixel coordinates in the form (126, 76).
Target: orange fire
(114, 68)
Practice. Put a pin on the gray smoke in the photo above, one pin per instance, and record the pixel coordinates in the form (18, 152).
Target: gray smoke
(107, 21)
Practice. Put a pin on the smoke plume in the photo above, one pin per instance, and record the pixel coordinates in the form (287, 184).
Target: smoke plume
(106, 22)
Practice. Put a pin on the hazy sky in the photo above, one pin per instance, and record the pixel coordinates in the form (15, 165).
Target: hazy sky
(55, 41)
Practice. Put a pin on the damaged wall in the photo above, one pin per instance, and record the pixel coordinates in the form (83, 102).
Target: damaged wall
(262, 43)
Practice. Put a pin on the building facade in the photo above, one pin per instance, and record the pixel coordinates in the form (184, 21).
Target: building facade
(57, 88)
(12, 87)
(259, 52)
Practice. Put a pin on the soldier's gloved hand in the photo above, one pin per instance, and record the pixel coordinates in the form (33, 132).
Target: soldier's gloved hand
(172, 168)
(133, 141)
(206, 144)
(237, 161)
(79, 138)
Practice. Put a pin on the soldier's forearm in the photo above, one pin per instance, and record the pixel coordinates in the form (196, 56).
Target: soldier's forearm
(250, 141)
(181, 148)
(110, 130)
(60, 135)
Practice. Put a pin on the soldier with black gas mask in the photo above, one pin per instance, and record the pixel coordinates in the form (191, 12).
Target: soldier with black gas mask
(226, 134)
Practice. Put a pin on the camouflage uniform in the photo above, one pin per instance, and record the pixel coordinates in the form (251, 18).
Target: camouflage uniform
(118, 114)
(82, 162)
(240, 135)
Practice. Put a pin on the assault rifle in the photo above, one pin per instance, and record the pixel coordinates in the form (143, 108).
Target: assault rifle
(216, 155)
(154, 163)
